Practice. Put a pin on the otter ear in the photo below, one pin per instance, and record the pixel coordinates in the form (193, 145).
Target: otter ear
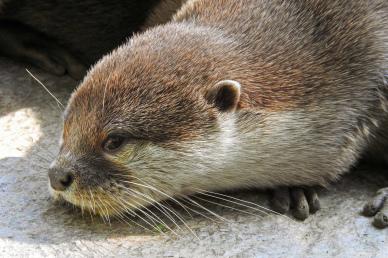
(225, 95)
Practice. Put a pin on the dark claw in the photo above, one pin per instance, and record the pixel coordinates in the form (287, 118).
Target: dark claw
(300, 204)
(313, 200)
(376, 204)
(371, 208)
(380, 220)
(378, 207)
(303, 202)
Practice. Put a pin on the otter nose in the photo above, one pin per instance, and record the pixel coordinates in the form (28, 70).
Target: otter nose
(60, 179)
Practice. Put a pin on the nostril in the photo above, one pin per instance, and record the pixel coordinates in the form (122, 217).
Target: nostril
(67, 180)
(60, 180)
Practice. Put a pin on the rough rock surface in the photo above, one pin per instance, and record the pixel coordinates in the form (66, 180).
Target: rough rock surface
(32, 225)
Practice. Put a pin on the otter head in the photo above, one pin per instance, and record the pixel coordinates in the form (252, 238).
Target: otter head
(136, 133)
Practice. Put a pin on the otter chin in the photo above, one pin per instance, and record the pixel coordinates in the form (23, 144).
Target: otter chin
(230, 94)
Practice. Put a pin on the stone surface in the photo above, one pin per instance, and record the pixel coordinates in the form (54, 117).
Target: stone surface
(32, 225)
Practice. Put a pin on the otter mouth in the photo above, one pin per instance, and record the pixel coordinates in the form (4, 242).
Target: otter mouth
(67, 198)
(91, 202)
(101, 201)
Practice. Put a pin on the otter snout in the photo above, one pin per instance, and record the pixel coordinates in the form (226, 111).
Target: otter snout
(60, 178)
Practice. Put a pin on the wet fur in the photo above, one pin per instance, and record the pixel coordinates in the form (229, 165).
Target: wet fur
(314, 96)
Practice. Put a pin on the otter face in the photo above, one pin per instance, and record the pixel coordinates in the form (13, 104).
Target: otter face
(129, 141)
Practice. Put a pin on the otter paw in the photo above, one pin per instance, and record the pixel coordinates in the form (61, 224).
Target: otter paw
(377, 208)
(300, 201)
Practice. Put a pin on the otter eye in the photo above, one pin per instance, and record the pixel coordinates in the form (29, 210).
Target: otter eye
(113, 143)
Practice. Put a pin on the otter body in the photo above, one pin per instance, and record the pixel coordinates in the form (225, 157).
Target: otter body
(83, 31)
(230, 94)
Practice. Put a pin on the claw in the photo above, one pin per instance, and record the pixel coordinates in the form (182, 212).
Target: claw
(300, 205)
(381, 220)
(303, 202)
(313, 200)
(378, 208)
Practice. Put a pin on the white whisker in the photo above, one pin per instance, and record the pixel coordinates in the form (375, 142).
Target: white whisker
(158, 219)
(212, 194)
(226, 206)
(48, 91)
(121, 216)
(163, 193)
(169, 197)
(125, 207)
(93, 202)
(153, 203)
(199, 213)
(206, 209)
(107, 212)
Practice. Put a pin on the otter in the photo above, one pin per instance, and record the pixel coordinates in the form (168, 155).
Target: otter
(231, 94)
(68, 36)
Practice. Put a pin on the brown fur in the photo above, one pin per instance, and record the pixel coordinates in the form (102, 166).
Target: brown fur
(312, 92)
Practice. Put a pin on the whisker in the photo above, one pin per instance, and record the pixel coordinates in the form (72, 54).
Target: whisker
(140, 217)
(134, 222)
(122, 217)
(102, 212)
(123, 201)
(163, 193)
(226, 206)
(169, 208)
(199, 213)
(152, 203)
(163, 209)
(93, 200)
(206, 209)
(160, 220)
(216, 197)
(82, 204)
(90, 212)
(44, 87)
(205, 192)
(103, 98)
(107, 213)
(153, 188)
